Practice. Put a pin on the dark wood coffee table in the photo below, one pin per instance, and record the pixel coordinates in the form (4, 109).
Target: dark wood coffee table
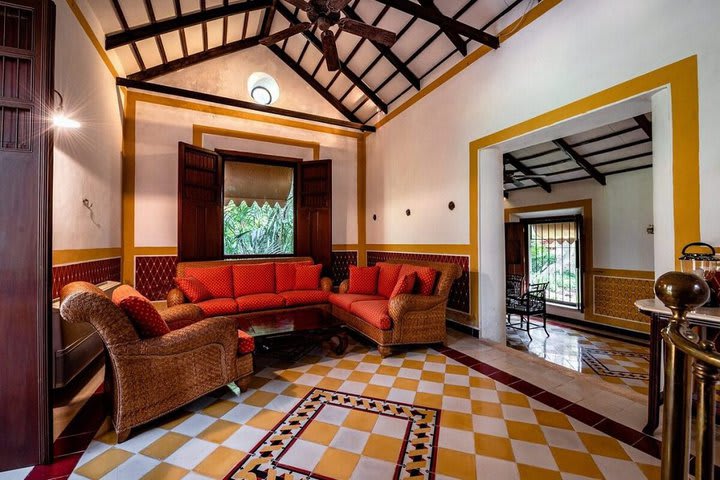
(305, 328)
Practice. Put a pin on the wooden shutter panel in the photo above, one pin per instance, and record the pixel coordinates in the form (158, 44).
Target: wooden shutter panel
(200, 212)
(314, 222)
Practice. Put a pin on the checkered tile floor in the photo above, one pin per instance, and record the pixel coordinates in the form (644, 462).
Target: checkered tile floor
(399, 417)
(612, 360)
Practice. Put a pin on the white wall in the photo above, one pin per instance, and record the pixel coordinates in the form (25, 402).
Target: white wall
(160, 128)
(420, 158)
(621, 212)
(87, 162)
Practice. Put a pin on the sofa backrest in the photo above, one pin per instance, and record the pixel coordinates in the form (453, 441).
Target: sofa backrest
(448, 273)
(181, 266)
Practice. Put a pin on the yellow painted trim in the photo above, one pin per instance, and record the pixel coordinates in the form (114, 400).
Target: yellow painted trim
(507, 32)
(620, 323)
(611, 272)
(200, 130)
(128, 191)
(361, 195)
(154, 251)
(229, 112)
(60, 257)
(80, 16)
(450, 249)
(353, 247)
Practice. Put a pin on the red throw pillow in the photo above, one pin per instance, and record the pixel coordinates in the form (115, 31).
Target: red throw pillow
(363, 280)
(387, 278)
(218, 280)
(285, 275)
(405, 284)
(124, 291)
(307, 277)
(144, 317)
(193, 289)
(252, 278)
(425, 278)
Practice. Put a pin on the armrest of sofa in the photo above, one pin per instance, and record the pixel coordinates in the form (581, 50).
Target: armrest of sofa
(402, 304)
(344, 286)
(180, 316)
(326, 284)
(175, 297)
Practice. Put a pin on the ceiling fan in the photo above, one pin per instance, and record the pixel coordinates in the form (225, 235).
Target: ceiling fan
(516, 178)
(325, 14)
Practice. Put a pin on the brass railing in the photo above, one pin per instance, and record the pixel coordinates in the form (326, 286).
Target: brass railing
(686, 352)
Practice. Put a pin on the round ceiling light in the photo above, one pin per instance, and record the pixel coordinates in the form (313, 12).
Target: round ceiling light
(263, 88)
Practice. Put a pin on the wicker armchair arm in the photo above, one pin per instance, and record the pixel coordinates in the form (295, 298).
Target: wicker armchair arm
(180, 316)
(175, 297)
(344, 285)
(326, 284)
(402, 304)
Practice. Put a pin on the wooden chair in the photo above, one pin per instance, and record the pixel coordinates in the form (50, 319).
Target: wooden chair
(527, 305)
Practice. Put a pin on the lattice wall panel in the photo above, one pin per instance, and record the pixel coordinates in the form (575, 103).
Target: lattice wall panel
(94, 272)
(154, 275)
(615, 297)
(340, 262)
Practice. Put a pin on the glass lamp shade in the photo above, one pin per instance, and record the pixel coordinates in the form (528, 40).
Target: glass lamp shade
(263, 88)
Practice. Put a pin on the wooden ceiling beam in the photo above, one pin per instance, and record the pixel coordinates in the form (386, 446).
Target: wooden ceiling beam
(387, 53)
(522, 168)
(362, 86)
(644, 124)
(580, 160)
(123, 23)
(184, 62)
(452, 36)
(440, 20)
(313, 83)
(150, 30)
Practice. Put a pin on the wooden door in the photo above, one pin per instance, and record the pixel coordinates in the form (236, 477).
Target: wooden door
(515, 248)
(314, 223)
(27, 29)
(200, 197)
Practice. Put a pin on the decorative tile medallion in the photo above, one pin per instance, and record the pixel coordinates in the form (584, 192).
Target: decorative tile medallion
(416, 458)
(617, 363)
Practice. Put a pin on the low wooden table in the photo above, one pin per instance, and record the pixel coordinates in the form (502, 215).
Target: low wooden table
(307, 327)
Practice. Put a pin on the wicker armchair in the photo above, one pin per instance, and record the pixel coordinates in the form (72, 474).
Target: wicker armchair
(416, 319)
(151, 377)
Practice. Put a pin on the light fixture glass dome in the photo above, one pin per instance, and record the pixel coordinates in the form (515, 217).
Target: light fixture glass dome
(263, 88)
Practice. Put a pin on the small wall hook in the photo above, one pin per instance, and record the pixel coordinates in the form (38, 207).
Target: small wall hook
(89, 206)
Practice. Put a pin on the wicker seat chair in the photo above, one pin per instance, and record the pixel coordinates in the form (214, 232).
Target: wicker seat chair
(151, 377)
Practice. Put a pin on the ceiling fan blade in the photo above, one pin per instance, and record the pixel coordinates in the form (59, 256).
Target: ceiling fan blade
(364, 30)
(330, 51)
(287, 33)
(337, 5)
(304, 6)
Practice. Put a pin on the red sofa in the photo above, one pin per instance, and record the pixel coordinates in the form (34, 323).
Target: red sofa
(238, 287)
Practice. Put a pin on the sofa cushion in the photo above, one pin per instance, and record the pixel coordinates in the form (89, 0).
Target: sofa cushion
(305, 297)
(259, 301)
(124, 291)
(426, 276)
(374, 312)
(285, 275)
(253, 278)
(218, 280)
(218, 306)
(345, 300)
(144, 317)
(387, 278)
(246, 343)
(363, 280)
(193, 289)
(307, 277)
(405, 284)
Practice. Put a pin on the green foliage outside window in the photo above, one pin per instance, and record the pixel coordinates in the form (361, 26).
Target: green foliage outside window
(259, 230)
(555, 263)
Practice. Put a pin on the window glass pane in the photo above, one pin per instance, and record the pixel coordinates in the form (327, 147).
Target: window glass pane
(553, 254)
(259, 209)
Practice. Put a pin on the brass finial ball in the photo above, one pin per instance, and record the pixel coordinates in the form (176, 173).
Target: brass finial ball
(682, 291)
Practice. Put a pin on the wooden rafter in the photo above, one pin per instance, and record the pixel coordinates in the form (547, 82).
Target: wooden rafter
(150, 30)
(644, 124)
(362, 86)
(123, 23)
(196, 58)
(441, 20)
(525, 170)
(451, 35)
(580, 160)
(158, 41)
(183, 38)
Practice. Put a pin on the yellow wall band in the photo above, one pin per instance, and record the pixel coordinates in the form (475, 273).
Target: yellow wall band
(93, 39)
(200, 130)
(61, 257)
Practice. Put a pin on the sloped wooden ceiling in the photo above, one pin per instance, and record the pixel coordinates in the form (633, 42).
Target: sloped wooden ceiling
(155, 37)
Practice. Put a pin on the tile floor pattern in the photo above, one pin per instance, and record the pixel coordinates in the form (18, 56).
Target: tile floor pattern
(485, 430)
(613, 360)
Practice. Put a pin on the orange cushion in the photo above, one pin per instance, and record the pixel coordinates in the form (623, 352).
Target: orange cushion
(259, 301)
(344, 300)
(193, 289)
(305, 297)
(253, 278)
(405, 284)
(218, 306)
(285, 275)
(144, 317)
(218, 280)
(426, 276)
(374, 312)
(387, 278)
(307, 277)
(246, 343)
(124, 291)
(363, 280)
